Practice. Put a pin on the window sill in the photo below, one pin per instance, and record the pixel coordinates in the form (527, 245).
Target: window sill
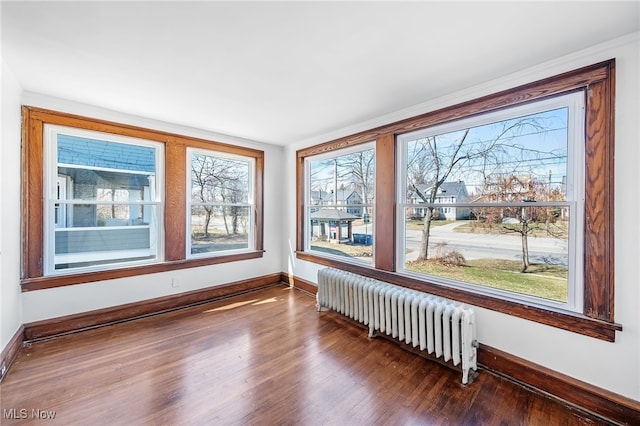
(40, 283)
(569, 321)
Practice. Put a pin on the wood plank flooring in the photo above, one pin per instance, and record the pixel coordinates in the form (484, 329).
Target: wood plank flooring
(262, 358)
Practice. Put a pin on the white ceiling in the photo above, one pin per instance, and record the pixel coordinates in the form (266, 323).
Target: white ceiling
(285, 72)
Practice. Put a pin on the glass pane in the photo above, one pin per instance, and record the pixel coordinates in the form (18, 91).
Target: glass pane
(104, 234)
(520, 159)
(91, 169)
(343, 180)
(219, 228)
(518, 249)
(219, 180)
(74, 215)
(339, 232)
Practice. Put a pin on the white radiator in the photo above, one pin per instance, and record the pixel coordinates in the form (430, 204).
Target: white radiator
(443, 328)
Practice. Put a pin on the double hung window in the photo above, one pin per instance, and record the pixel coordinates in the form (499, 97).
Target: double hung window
(339, 202)
(102, 207)
(220, 206)
(504, 202)
(104, 200)
(494, 203)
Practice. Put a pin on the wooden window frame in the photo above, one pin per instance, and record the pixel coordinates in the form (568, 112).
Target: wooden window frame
(33, 121)
(598, 83)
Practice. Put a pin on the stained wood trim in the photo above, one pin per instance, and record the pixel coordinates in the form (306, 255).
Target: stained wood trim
(32, 191)
(384, 239)
(259, 203)
(551, 86)
(98, 318)
(299, 283)
(598, 81)
(40, 283)
(599, 199)
(10, 352)
(595, 400)
(569, 321)
(175, 233)
(300, 215)
(175, 213)
(88, 123)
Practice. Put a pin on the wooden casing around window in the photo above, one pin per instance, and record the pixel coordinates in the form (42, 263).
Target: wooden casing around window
(598, 83)
(175, 234)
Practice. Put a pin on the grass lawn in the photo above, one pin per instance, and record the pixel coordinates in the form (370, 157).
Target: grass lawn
(349, 250)
(418, 225)
(540, 280)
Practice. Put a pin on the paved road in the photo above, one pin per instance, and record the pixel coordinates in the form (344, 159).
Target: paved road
(475, 246)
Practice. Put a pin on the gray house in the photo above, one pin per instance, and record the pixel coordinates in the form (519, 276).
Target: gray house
(449, 192)
(349, 198)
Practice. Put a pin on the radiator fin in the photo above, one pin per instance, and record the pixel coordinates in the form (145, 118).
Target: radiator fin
(440, 327)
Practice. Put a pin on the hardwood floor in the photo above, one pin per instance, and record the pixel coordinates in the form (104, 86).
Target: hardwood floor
(265, 357)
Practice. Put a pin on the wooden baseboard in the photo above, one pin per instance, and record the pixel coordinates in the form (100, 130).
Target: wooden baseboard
(10, 352)
(299, 283)
(54, 327)
(597, 401)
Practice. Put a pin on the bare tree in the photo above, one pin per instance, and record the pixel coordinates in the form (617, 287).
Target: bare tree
(511, 188)
(218, 180)
(524, 220)
(434, 159)
(360, 168)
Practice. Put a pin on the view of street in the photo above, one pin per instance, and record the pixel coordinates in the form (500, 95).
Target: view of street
(547, 250)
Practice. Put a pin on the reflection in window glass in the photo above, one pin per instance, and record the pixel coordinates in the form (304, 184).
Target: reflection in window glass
(220, 210)
(339, 204)
(486, 202)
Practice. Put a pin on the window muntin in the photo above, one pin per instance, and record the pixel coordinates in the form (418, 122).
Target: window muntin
(102, 207)
(509, 189)
(171, 199)
(339, 203)
(595, 231)
(220, 207)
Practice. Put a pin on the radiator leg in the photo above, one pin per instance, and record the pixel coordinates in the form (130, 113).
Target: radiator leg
(465, 376)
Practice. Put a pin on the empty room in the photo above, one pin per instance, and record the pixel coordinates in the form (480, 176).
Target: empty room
(320, 213)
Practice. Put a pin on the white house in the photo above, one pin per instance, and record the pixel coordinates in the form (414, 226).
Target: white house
(447, 193)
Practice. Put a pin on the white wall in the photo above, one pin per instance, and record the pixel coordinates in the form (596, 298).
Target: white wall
(10, 307)
(50, 303)
(612, 366)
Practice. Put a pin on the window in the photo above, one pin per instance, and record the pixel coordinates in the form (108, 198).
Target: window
(102, 207)
(339, 203)
(103, 200)
(533, 166)
(494, 203)
(221, 206)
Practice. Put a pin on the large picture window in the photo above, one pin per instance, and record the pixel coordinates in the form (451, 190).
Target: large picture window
(504, 202)
(104, 200)
(494, 203)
